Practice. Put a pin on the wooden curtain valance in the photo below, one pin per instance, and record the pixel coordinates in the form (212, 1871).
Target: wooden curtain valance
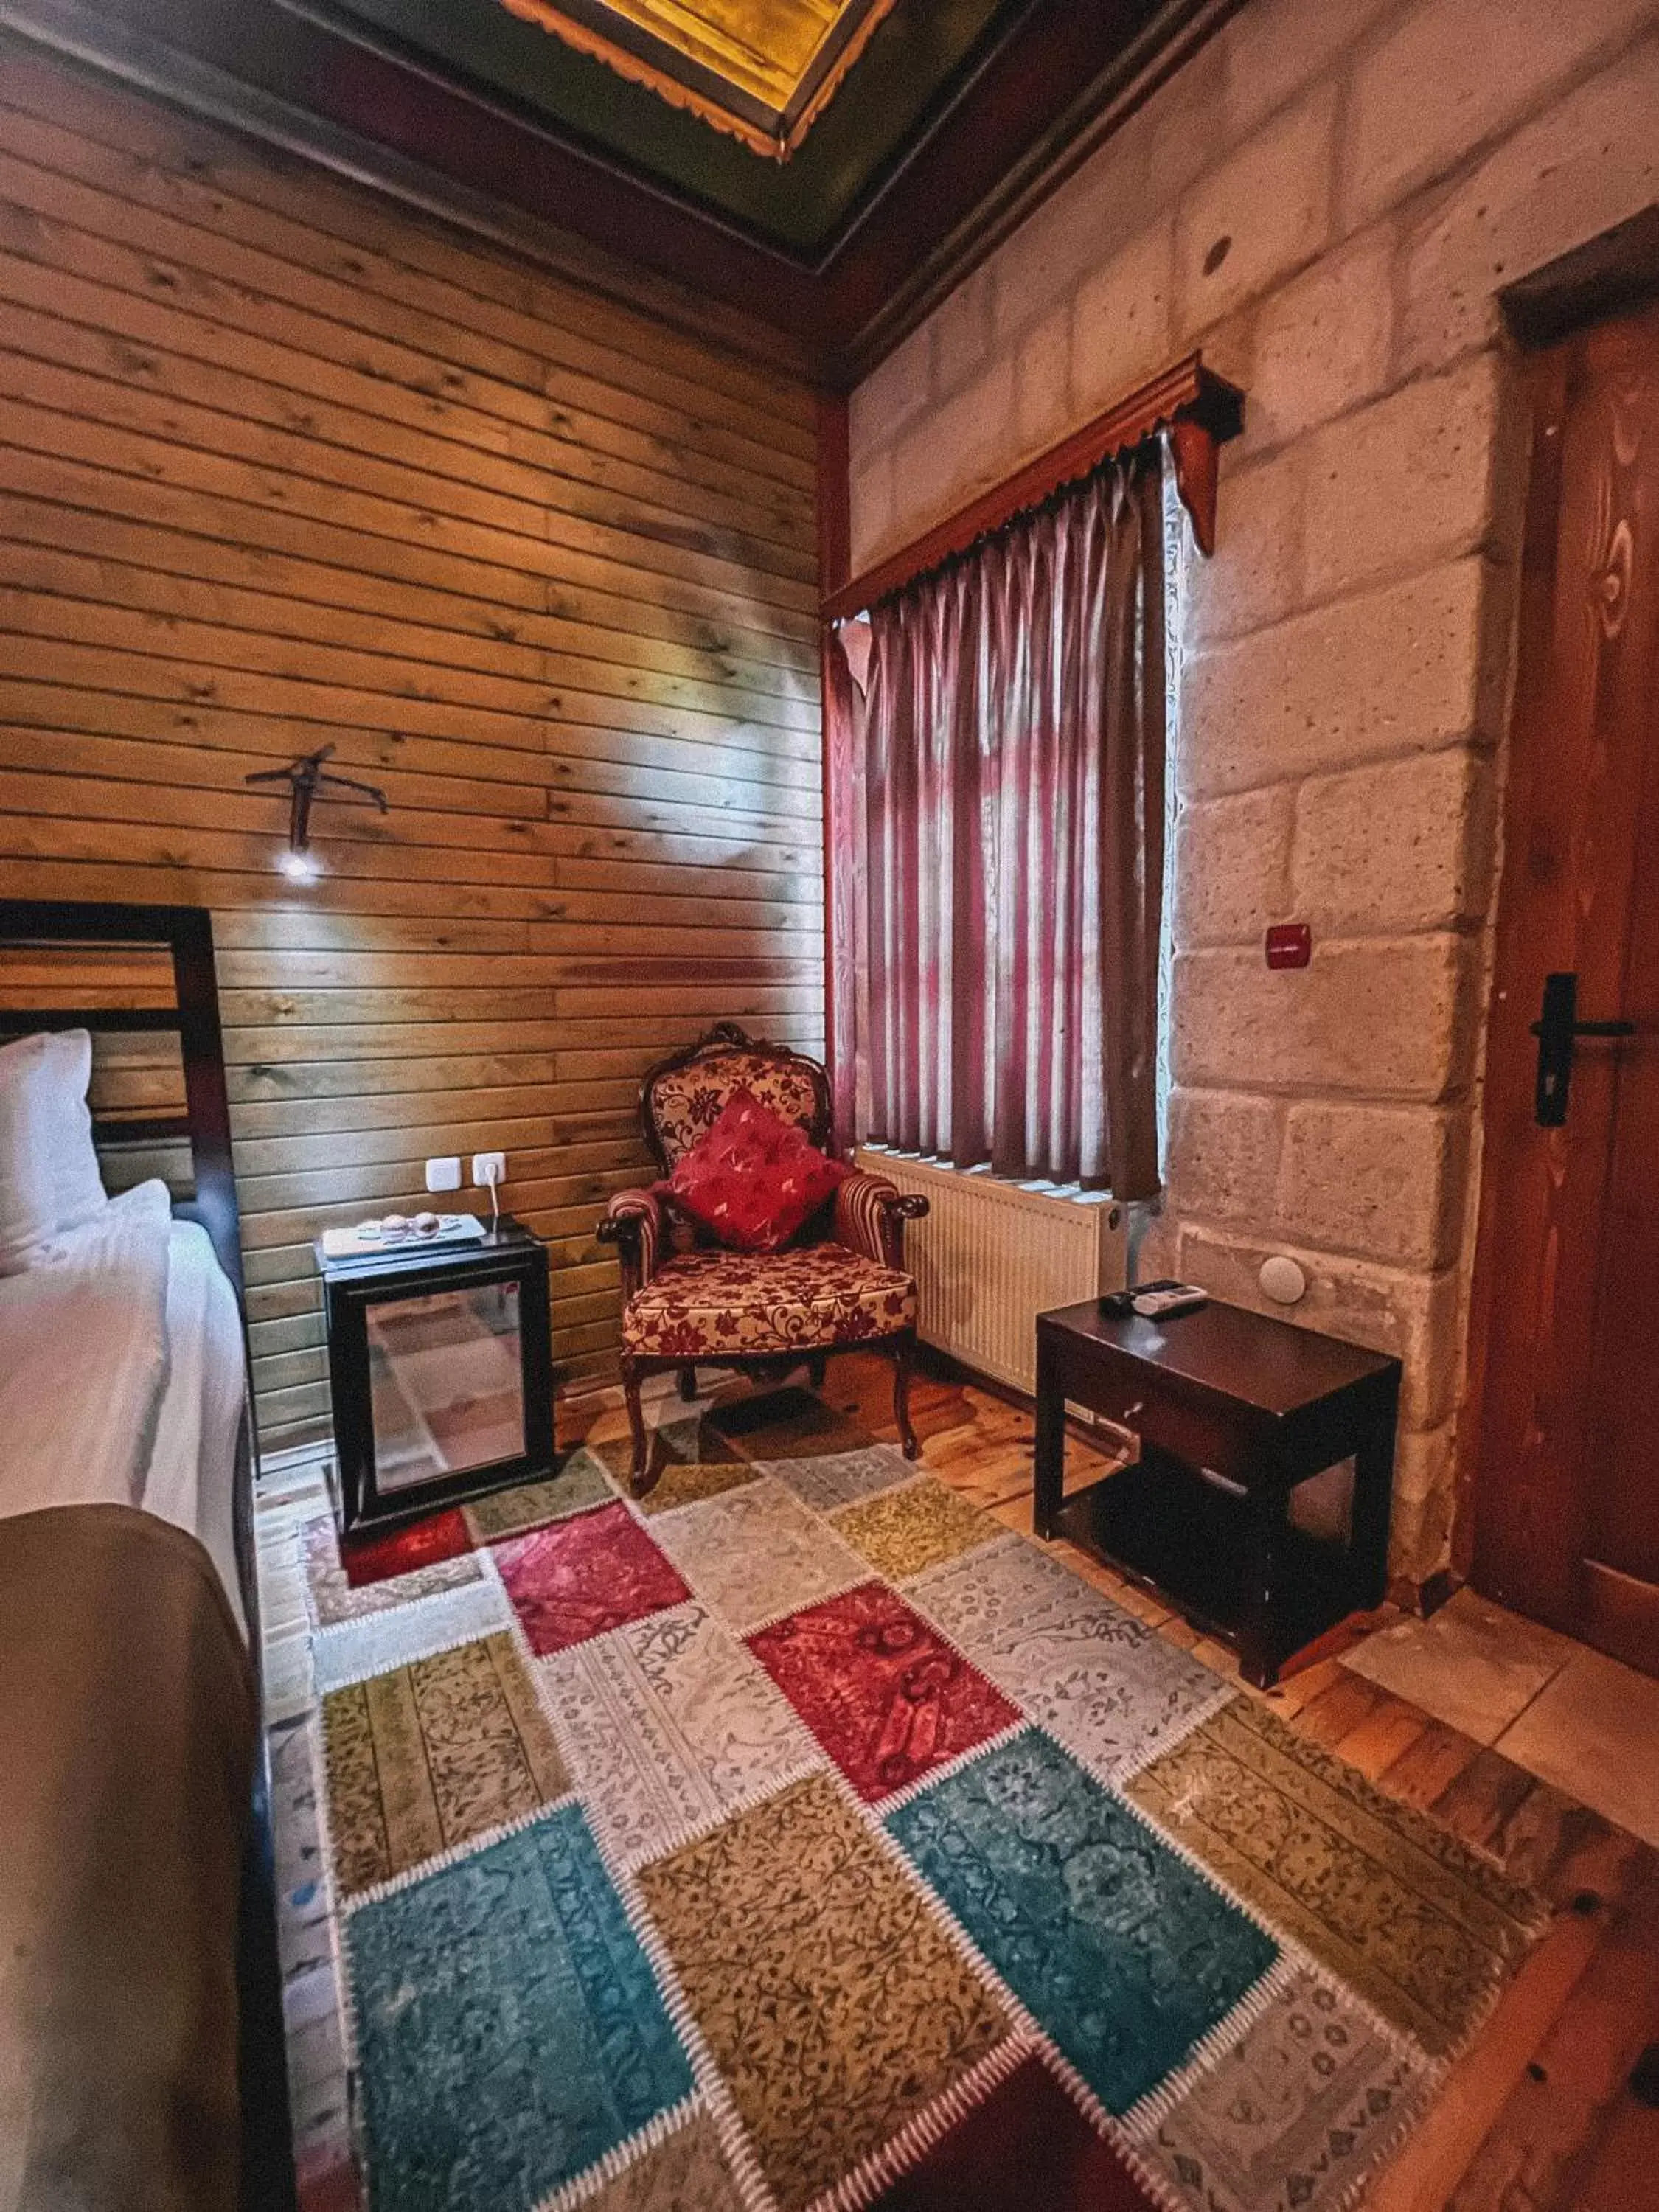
(1200, 410)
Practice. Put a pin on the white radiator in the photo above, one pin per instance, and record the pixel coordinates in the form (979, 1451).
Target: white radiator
(992, 1255)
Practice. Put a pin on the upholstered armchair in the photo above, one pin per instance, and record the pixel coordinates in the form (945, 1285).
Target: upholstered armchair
(686, 1301)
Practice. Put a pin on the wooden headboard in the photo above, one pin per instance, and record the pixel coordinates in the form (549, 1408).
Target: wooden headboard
(66, 927)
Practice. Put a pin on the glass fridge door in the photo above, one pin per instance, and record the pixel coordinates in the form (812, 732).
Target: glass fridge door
(445, 1384)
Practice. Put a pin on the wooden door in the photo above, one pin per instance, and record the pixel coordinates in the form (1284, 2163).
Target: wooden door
(1566, 1309)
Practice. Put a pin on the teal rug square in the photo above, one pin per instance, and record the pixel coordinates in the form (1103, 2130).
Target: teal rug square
(509, 2029)
(1118, 1949)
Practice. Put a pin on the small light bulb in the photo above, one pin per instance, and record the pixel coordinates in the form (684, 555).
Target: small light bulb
(301, 867)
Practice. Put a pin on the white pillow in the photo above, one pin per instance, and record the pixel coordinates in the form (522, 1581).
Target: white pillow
(49, 1175)
(77, 1175)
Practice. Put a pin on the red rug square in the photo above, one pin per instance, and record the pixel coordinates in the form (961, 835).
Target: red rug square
(422, 1544)
(1026, 2145)
(883, 1693)
(584, 1576)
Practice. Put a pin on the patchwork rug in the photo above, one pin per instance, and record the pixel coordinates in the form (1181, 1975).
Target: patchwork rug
(799, 1837)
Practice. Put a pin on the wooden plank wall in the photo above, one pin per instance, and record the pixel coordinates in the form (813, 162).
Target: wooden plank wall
(283, 465)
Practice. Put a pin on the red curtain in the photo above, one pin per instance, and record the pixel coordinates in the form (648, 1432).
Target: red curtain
(997, 846)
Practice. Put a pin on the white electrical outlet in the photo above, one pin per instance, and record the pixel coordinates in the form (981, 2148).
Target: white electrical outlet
(444, 1175)
(489, 1168)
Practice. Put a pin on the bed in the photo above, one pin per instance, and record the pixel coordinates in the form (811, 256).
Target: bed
(141, 2044)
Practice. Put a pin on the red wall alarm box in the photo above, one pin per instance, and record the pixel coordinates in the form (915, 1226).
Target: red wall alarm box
(1289, 944)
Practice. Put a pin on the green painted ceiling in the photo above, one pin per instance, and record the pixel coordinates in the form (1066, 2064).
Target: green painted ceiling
(915, 57)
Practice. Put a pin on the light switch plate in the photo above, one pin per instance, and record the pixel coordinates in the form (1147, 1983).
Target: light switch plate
(489, 1168)
(444, 1175)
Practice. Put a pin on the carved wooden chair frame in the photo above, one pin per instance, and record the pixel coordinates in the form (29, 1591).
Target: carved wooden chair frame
(633, 1222)
(724, 1040)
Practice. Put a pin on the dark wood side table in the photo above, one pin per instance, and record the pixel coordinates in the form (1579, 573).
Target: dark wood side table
(1233, 1410)
(440, 1373)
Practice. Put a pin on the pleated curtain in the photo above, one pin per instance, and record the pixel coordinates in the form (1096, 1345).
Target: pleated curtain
(997, 822)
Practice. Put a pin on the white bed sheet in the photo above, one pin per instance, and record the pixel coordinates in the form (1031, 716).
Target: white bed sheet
(98, 1409)
(84, 1358)
(190, 1479)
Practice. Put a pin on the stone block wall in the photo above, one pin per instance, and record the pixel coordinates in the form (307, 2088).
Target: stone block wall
(1326, 199)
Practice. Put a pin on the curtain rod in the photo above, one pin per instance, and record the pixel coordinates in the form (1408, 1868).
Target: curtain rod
(1201, 412)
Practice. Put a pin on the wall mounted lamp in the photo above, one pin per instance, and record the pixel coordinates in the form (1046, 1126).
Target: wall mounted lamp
(308, 779)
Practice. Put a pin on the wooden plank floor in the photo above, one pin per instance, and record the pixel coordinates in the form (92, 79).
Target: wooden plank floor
(1537, 2117)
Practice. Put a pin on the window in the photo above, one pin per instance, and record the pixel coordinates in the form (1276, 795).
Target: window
(998, 829)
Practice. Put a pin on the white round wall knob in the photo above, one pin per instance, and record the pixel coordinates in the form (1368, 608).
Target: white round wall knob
(1282, 1280)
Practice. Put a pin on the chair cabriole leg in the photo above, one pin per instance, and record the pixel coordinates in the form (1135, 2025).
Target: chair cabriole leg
(904, 1353)
(630, 1381)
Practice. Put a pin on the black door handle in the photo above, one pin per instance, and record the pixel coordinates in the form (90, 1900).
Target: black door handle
(1558, 1030)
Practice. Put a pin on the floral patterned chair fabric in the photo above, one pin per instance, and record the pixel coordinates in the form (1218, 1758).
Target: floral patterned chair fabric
(685, 1102)
(708, 1304)
(750, 1308)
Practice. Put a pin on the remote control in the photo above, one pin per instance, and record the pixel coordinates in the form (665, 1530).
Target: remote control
(1119, 1303)
(1159, 1303)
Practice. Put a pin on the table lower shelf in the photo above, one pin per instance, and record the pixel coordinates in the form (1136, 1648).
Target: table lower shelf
(1164, 1524)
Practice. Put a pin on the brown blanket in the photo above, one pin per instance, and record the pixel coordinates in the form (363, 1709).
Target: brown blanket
(127, 1720)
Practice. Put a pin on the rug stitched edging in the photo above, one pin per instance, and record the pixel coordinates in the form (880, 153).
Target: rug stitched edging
(1489, 1991)
(752, 2187)
(376, 1674)
(812, 1756)
(328, 1630)
(1233, 2025)
(1236, 2022)
(884, 2165)
(621, 2156)
(1219, 1698)
(344, 1997)
(946, 1768)
(452, 1854)
(683, 1834)
(1027, 2028)
(1294, 1955)
(880, 2168)
(788, 1613)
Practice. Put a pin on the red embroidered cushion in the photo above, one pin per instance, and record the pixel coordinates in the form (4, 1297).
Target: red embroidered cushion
(753, 1180)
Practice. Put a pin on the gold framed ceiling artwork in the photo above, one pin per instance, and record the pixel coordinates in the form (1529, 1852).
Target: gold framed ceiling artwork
(763, 70)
